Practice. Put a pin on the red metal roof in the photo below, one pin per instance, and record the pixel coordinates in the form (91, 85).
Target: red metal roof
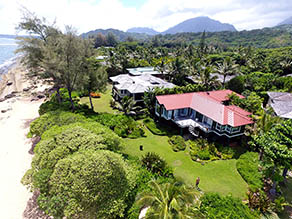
(209, 104)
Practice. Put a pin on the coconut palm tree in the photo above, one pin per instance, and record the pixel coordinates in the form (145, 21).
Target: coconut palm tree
(286, 65)
(178, 70)
(205, 77)
(265, 122)
(128, 106)
(226, 68)
(170, 200)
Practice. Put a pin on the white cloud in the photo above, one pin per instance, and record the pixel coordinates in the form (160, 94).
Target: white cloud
(88, 15)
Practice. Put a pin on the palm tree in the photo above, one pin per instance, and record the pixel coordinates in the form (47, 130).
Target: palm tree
(128, 106)
(205, 77)
(170, 200)
(226, 68)
(286, 64)
(265, 122)
(178, 70)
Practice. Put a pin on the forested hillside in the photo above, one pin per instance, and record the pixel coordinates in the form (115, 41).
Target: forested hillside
(261, 38)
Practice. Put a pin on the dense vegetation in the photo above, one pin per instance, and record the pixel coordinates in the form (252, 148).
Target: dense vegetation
(79, 167)
(216, 206)
(248, 167)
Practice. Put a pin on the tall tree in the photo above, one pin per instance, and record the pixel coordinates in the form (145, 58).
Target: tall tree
(42, 35)
(202, 48)
(95, 77)
(111, 39)
(277, 145)
(100, 40)
(205, 77)
(178, 70)
(67, 55)
(227, 68)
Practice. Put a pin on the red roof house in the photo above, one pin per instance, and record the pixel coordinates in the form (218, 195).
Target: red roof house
(205, 110)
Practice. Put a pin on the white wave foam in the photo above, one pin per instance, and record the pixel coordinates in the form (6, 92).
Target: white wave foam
(7, 65)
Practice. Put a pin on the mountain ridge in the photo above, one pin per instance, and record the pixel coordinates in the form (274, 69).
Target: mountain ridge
(143, 30)
(199, 24)
(286, 21)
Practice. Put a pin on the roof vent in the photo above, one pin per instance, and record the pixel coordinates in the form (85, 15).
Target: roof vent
(208, 93)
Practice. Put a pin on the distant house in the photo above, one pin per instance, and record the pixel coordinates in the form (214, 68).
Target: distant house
(205, 111)
(143, 70)
(135, 86)
(281, 102)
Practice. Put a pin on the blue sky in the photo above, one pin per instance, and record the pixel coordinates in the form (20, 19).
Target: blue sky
(134, 3)
(88, 15)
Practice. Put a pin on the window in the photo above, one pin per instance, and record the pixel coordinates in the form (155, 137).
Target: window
(193, 114)
(169, 114)
(207, 121)
(236, 129)
(183, 112)
(157, 107)
(164, 112)
(228, 128)
(218, 126)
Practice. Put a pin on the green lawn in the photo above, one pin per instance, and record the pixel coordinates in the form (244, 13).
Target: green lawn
(216, 176)
(102, 104)
(287, 192)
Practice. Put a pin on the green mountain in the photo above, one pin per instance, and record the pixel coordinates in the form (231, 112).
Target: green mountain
(262, 38)
(142, 30)
(199, 24)
(121, 35)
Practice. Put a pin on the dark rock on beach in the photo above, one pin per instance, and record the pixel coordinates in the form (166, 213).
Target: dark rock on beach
(9, 83)
(8, 96)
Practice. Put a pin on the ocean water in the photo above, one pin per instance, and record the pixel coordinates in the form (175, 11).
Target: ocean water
(7, 55)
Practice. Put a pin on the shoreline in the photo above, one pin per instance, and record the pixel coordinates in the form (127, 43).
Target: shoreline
(19, 105)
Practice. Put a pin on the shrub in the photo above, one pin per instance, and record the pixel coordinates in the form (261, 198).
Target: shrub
(53, 104)
(225, 152)
(177, 142)
(124, 126)
(260, 201)
(204, 150)
(89, 184)
(154, 163)
(248, 167)
(204, 154)
(154, 127)
(54, 118)
(107, 136)
(216, 206)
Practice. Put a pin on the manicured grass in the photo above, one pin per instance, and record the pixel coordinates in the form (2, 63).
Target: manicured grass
(218, 176)
(102, 104)
(287, 192)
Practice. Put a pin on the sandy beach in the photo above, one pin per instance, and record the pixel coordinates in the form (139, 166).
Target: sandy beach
(16, 112)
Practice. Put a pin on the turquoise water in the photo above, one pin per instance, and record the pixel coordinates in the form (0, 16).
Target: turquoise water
(7, 48)
(7, 55)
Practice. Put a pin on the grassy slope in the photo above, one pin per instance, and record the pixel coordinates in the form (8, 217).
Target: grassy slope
(217, 176)
(287, 191)
(101, 105)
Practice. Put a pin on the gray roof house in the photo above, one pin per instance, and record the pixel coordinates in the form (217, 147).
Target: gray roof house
(135, 86)
(281, 102)
(142, 70)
